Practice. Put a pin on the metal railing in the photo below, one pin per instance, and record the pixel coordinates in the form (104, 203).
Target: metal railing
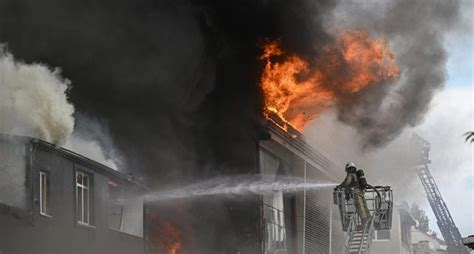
(350, 234)
(369, 231)
(379, 201)
(275, 232)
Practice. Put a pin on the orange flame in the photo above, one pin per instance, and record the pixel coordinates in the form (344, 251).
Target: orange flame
(298, 91)
(169, 238)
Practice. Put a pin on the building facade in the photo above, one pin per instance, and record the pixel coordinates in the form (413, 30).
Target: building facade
(424, 243)
(397, 240)
(306, 222)
(54, 201)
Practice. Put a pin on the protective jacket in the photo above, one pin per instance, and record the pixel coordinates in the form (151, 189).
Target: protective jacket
(352, 182)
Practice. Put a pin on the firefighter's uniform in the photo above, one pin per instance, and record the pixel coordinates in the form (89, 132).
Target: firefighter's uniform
(352, 182)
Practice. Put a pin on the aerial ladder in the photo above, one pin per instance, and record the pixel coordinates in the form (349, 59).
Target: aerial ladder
(359, 237)
(420, 149)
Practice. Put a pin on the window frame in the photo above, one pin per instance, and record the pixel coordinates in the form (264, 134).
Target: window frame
(86, 212)
(276, 236)
(276, 230)
(111, 187)
(126, 224)
(45, 210)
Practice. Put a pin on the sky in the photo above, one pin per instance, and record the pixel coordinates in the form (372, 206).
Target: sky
(460, 50)
(451, 115)
(452, 158)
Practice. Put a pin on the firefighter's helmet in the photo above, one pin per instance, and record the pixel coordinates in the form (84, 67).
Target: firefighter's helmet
(351, 167)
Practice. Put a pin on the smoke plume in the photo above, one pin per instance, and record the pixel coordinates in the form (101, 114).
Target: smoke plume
(178, 81)
(92, 138)
(33, 100)
(416, 31)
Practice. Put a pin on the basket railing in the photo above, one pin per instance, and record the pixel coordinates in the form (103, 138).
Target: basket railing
(379, 201)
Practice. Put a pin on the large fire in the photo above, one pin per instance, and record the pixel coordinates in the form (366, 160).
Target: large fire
(297, 90)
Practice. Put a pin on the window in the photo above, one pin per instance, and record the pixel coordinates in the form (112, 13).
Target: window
(115, 206)
(383, 234)
(125, 213)
(44, 194)
(83, 198)
(274, 216)
(276, 240)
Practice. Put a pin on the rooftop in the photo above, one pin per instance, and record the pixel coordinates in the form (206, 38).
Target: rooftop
(77, 158)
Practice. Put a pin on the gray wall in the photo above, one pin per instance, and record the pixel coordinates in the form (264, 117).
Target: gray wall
(13, 172)
(60, 234)
(394, 245)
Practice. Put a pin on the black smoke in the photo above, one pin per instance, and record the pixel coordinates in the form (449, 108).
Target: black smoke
(175, 81)
(416, 32)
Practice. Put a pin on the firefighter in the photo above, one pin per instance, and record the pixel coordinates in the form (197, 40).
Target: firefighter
(355, 180)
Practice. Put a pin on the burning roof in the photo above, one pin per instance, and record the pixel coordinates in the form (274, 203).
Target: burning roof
(297, 89)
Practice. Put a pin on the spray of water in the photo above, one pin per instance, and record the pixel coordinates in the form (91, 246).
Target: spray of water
(239, 185)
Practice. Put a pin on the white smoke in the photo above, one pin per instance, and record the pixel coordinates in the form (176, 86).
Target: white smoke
(90, 149)
(34, 103)
(451, 115)
(33, 100)
(92, 138)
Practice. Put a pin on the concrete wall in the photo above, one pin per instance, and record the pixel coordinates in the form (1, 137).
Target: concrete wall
(60, 233)
(433, 245)
(394, 245)
(13, 166)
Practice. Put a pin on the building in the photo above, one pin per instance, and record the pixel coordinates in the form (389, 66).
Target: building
(54, 201)
(469, 242)
(424, 243)
(60, 202)
(399, 238)
(305, 222)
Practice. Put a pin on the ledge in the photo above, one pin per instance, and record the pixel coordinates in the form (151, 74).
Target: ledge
(15, 212)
